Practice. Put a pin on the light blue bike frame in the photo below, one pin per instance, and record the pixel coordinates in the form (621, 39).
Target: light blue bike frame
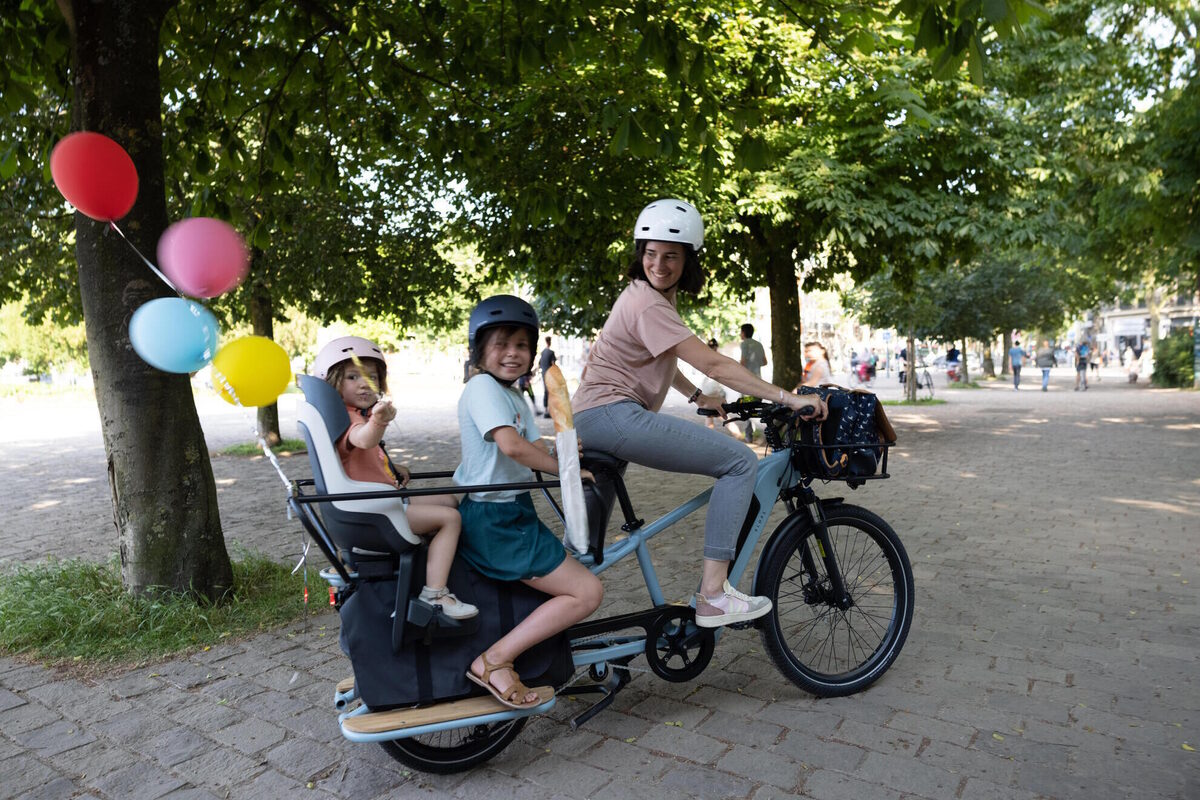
(772, 470)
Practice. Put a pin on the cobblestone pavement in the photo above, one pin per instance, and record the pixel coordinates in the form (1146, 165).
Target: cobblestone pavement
(1055, 538)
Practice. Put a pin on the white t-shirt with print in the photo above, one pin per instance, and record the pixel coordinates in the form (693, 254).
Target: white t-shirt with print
(487, 404)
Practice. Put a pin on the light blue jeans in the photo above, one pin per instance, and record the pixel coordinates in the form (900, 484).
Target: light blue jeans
(1045, 377)
(631, 433)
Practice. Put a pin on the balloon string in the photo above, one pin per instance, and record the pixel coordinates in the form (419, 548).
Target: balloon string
(145, 260)
(302, 563)
(258, 435)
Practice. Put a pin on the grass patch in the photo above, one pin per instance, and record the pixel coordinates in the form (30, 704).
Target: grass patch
(919, 402)
(285, 447)
(78, 613)
(22, 392)
(972, 384)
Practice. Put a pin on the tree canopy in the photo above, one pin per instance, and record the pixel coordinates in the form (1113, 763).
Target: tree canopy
(357, 145)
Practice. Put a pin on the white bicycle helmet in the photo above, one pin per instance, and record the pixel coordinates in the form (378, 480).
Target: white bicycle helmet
(341, 348)
(670, 220)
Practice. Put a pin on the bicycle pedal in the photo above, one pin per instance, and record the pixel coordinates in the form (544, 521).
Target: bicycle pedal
(741, 626)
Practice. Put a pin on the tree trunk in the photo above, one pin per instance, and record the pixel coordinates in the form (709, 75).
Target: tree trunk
(262, 320)
(963, 376)
(1196, 342)
(910, 366)
(787, 347)
(989, 363)
(1004, 352)
(163, 493)
(1153, 309)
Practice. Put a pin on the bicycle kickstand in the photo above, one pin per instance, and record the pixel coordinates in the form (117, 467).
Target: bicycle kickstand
(616, 680)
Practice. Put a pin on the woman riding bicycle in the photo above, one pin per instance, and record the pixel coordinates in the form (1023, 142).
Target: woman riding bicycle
(632, 365)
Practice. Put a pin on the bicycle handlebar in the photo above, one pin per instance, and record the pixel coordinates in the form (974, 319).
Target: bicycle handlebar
(745, 409)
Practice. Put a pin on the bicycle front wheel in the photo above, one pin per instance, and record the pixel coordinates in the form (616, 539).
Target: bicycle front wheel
(928, 383)
(822, 648)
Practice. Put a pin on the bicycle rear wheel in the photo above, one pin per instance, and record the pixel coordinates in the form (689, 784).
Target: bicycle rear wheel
(928, 379)
(823, 649)
(454, 750)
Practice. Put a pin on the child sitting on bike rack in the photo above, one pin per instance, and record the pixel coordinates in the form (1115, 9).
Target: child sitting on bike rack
(354, 366)
(503, 537)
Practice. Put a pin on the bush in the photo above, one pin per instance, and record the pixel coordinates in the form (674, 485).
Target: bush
(1173, 360)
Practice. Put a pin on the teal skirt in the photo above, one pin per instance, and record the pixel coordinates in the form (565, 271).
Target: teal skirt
(507, 541)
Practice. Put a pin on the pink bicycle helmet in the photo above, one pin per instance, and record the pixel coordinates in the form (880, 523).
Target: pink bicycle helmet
(341, 348)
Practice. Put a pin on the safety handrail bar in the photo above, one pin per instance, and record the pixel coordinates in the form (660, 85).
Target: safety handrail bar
(382, 495)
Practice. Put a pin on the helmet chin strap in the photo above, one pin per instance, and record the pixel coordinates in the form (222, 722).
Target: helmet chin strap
(497, 379)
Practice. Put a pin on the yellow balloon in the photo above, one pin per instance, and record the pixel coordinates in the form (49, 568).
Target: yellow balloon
(254, 368)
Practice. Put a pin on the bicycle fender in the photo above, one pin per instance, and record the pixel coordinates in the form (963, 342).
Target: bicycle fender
(798, 517)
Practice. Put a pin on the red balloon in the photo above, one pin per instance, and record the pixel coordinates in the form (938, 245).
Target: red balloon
(95, 174)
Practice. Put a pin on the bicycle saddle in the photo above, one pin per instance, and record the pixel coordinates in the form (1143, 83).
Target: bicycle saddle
(598, 459)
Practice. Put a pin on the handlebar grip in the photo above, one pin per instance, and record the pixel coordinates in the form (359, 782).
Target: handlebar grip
(806, 410)
(706, 412)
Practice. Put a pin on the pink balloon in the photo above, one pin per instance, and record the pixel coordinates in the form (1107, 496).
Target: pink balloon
(203, 257)
(95, 174)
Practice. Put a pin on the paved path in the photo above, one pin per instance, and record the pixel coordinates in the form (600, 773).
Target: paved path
(1056, 542)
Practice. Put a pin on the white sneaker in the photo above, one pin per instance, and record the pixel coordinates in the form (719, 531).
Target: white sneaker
(731, 607)
(450, 605)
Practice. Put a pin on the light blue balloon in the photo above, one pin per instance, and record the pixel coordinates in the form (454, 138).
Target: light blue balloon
(173, 334)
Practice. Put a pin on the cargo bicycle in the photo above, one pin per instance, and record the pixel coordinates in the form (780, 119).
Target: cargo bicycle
(837, 574)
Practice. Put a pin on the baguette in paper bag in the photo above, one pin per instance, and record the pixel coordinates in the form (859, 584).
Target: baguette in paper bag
(567, 444)
(560, 399)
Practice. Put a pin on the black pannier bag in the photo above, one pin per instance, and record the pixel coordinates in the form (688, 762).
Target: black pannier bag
(846, 444)
(425, 669)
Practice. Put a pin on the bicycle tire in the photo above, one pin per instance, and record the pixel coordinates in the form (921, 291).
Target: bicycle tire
(928, 382)
(453, 751)
(824, 650)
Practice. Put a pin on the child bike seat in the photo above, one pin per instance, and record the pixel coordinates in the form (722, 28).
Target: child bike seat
(356, 527)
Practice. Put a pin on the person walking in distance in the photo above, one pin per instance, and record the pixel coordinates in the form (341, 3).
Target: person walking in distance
(754, 358)
(1017, 357)
(1046, 360)
(546, 360)
(1082, 351)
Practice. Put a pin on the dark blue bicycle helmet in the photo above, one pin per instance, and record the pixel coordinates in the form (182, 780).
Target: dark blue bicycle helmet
(502, 309)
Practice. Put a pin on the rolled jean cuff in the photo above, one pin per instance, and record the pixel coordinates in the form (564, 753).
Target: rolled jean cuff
(718, 553)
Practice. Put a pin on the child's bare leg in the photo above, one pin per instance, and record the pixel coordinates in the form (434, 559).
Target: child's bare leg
(444, 524)
(446, 500)
(576, 594)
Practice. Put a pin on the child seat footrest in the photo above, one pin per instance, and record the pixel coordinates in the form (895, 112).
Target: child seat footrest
(403, 718)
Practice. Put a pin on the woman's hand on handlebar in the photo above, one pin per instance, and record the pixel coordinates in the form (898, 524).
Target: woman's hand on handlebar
(713, 403)
(810, 406)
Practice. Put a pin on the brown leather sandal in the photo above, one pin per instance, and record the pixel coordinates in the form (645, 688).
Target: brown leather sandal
(507, 698)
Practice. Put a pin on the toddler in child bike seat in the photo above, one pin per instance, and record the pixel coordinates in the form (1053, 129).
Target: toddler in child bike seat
(355, 368)
(503, 537)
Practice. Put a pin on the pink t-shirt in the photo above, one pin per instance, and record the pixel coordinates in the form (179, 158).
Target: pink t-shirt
(363, 465)
(631, 359)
